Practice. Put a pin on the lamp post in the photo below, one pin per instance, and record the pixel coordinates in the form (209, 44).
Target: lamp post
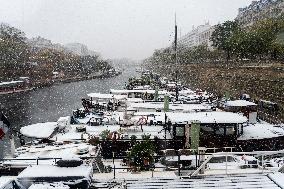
(176, 62)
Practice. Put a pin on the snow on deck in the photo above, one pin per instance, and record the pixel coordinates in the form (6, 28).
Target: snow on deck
(35, 171)
(10, 82)
(4, 180)
(239, 103)
(134, 100)
(106, 96)
(168, 179)
(72, 134)
(56, 151)
(173, 107)
(49, 186)
(278, 178)
(261, 131)
(206, 117)
(115, 91)
(39, 130)
(116, 116)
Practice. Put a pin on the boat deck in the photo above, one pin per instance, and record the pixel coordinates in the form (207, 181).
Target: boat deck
(216, 181)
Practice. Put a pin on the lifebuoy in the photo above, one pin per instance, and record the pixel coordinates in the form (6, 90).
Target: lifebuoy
(142, 121)
(114, 135)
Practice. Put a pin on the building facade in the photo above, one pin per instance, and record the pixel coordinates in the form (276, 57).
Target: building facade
(259, 10)
(198, 36)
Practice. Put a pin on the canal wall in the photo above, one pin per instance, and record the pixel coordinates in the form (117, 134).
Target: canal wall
(261, 81)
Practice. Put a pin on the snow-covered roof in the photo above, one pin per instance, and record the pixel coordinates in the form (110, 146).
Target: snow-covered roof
(49, 186)
(4, 180)
(206, 117)
(106, 96)
(36, 171)
(186, 91)
(171, 85)
(239, 103)
(173, 107)
(10, 82)
(100, 96)
(149, 113)
(277, 178)
(52, 151)
(134, 100)
(115, 91)
(120, 97)
(39, 130)
(261, 131)
(63, 119)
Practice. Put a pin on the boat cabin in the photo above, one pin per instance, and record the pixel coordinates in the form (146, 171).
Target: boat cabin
(74, 177)
(159, 106)
(139, 93)
(213, 123)
(249, 109)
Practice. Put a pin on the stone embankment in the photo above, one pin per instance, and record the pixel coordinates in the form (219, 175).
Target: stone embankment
(261, 81)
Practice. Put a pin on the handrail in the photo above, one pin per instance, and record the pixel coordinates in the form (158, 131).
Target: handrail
(201, 166)
(262, 153)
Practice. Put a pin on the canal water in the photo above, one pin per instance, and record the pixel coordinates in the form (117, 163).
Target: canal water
(50, 103)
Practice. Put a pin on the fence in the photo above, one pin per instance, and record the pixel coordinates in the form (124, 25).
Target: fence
(270, 118)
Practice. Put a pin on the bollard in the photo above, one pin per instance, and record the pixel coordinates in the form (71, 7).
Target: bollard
(112, 157)
(178, 164)
(113, 171)
(226, 163)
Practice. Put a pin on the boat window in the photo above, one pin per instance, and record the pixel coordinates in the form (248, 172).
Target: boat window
(179, 131)
(221, 159)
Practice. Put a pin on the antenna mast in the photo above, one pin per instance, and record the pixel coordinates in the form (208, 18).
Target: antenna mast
(176, 74)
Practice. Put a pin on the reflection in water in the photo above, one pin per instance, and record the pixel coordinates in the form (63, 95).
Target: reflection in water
(48, 104)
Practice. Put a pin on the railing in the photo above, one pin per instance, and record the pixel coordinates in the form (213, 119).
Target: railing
(35, 161)
(129, 168)
(30, 159)
(259, 153)
(270, 118)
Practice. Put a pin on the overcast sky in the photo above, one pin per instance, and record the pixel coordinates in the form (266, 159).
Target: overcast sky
(115, 28)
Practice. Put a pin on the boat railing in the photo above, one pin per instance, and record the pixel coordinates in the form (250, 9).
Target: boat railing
(10, 162)
(226, 154)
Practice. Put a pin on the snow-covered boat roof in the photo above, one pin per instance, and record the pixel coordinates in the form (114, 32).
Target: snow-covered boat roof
(120, 97)
(10, 82)
(149, 114)
(203, 117)
(277, 178)
(49, 186)
(55, 151)
(4, 180)
(100, 96)
(206, 117)
(186, 91)
(36, 171)
(171, 84)
(261, 131)
(39, 130)
(134, 100)
(174, 107)
(106, 96)
(115, 91)
(239, 103)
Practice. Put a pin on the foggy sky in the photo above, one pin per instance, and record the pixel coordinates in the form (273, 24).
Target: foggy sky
(115, 28)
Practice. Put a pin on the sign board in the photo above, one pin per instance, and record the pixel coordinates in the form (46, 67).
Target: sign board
(195, 134)
(166, 103)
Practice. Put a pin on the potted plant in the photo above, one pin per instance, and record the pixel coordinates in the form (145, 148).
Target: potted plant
(141, 154)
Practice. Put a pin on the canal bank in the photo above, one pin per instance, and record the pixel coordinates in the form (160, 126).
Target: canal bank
(261, 81)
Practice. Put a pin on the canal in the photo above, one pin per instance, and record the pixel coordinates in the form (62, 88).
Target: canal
(50, 103)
